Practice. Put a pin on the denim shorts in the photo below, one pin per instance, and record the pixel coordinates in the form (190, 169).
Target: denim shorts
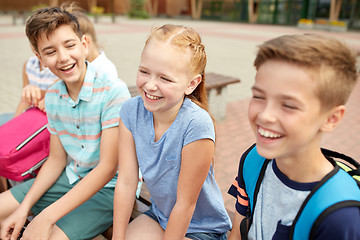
(194, 236)
(85, 222)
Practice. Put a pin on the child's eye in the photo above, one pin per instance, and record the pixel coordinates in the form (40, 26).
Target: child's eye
(289, 106)
(258, 97)
(143, 71)
(166, 79)
(70, 45)
(49, 53)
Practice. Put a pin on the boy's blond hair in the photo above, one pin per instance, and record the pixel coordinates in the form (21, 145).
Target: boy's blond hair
(330, 63)
(47, 20)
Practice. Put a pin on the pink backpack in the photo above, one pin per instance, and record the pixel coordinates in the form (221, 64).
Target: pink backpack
(24, 145)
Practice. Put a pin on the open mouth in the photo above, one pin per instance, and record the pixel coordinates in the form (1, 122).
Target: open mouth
(68, 67)
(152, 97)
(268, 134)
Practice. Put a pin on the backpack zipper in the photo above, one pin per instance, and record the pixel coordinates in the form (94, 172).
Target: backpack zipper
(21, 145)
(33, 168)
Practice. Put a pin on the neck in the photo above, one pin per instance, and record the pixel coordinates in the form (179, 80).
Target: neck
(75, 87)
(310, 166)
(93, 54)
(163, 120)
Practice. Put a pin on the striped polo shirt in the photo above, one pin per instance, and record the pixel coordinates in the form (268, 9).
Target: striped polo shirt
(42, 78)
(79, 123)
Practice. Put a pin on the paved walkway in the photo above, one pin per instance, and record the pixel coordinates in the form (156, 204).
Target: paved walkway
(231, 49)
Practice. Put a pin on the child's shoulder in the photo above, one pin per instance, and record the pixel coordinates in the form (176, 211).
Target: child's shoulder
(133, 105)
(194, 111)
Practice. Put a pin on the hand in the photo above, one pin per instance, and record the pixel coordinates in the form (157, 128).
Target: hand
(31, 94)
(38, 229)
(11, 226)
(41, 105)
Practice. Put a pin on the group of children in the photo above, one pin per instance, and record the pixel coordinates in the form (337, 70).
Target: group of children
(100, 138)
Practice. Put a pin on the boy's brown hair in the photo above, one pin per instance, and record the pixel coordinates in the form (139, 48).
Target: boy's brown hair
(330, 63)
(46, 20)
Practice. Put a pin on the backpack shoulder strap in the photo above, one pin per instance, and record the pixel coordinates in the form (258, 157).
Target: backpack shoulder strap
(252, 167)
(351, 166)
(337, 189)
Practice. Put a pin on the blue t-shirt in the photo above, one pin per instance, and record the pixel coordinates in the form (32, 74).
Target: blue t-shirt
(160, 162)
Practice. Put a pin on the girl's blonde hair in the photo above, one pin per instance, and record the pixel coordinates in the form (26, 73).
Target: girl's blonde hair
(186, 38)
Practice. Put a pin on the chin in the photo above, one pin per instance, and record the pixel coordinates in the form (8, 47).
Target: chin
(266, 153)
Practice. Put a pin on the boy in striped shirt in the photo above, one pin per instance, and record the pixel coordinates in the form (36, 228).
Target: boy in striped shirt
(72, 196)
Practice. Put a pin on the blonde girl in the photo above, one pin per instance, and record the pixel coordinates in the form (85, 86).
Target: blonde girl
(168, 133)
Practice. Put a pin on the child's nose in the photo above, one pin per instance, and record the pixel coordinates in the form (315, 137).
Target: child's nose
(151, 83)
(63, 55)
(268, 113)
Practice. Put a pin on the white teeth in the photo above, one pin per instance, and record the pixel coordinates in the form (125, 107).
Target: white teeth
(268, 134)
(152, 97)
(66, 68)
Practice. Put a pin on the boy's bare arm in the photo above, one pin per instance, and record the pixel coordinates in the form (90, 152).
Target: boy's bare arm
(92, 182)
(49, 172)
(235, 231)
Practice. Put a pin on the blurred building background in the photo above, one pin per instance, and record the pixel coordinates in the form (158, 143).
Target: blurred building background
(343, 14)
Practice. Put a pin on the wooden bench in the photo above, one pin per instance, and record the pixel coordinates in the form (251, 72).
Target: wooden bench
(216, 86)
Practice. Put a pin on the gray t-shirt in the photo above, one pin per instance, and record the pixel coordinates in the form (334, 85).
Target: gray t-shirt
(288, 196)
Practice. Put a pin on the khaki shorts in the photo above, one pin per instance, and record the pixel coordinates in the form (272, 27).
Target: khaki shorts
(85, 222)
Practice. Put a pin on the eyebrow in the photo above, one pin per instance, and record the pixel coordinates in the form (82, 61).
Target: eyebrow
(254, 88)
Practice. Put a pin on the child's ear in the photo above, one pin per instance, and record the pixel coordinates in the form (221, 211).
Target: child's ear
(86, 38)
(37, 54)
(85, 42)
(333, 118)
(193, 84)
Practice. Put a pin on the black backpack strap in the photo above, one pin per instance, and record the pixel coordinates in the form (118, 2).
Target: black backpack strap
(352, 167)
(244, 228)
(334, 154)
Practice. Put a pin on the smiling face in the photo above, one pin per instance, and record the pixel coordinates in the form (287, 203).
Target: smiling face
(284, 112)
(164, 77)
(64, 54)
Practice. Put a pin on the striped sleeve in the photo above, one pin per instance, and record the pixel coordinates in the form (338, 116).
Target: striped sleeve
(117, 95)
(242, 200)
